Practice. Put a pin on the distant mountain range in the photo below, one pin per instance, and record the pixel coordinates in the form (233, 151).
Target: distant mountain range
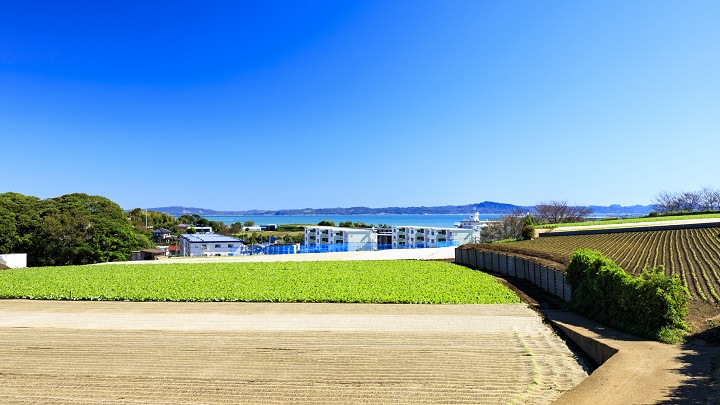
(486, 207)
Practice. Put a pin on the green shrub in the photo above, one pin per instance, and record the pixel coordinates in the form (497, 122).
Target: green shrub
(528, 232)
(652, 305)
(529, 220)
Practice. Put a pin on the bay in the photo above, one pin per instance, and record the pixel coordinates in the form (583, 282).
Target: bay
(429, 220)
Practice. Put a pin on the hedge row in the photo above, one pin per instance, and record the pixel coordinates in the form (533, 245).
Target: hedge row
(652, 304)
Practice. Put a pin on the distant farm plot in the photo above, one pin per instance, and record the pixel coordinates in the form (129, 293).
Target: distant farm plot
(340, 281)
(692, 254)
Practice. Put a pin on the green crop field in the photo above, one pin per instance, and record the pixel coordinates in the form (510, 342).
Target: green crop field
(692, 254)
(341, 281)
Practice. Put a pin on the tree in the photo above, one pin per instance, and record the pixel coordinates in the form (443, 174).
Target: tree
(508, 227)
(707, 199)
(559, 212)
(710, 199)
(71, 229)
(667, 202)
(249, 223)
(86, 229)
(326, 223)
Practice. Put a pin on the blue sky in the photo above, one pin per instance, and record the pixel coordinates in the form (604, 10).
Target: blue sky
(272, 104)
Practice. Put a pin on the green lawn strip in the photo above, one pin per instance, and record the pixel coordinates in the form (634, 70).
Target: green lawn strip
(339, 281)
(630, 221)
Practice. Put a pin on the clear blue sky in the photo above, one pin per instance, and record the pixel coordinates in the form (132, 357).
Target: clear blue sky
(268, 105)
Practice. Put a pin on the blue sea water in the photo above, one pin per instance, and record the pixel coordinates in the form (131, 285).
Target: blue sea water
(440, 221)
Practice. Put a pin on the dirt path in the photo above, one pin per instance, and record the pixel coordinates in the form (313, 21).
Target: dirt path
(152, 353)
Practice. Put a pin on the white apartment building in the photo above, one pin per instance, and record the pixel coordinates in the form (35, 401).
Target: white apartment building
(356, 238)
(210, 244)
(473, 222)
(422, 236)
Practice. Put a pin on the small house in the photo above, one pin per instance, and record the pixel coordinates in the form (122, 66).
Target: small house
(147, 254)
(161, 234)
(210, 245)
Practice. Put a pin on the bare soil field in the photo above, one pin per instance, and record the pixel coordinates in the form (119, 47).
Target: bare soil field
(66, 352)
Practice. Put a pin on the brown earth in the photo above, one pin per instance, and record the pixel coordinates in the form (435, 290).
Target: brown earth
(63, 352)
(703, 318)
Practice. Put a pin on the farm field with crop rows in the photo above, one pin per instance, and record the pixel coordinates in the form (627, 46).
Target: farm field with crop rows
(692, 254)
(420, 282)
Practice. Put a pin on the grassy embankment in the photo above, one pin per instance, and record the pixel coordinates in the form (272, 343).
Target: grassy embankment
(346, 281)
(632, 220)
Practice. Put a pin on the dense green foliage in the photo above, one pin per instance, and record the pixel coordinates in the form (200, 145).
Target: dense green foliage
(341, 281)
(651, 305)
(528, 232)
(71, 229)
(145, 221)
(197, 220)
(292, 227)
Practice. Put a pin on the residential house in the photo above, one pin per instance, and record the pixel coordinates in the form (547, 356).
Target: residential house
(161, 234)
(147, 254)
(210, 244)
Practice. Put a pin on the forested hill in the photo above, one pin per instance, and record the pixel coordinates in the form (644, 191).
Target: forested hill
(487, 207)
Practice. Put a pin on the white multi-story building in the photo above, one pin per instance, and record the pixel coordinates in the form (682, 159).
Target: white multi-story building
(423, 236)
(210, 244)
(473, 222)
(355, 238)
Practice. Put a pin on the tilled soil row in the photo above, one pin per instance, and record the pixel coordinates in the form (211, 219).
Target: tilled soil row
(489, 360)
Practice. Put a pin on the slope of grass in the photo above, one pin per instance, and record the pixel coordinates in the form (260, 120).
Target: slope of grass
(632, 220)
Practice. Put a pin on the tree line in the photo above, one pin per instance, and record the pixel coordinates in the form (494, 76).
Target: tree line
(521, 225)
(68, 230)
(705, 200)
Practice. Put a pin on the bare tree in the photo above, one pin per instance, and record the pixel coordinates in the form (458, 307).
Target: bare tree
(508, 227)
(667, 202)
(558, 212)
(690, 201)
(709, 199)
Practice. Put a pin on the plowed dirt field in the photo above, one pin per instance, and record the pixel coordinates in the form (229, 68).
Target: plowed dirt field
(61, 352)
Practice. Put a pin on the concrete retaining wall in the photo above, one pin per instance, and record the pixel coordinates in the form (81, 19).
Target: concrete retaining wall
(550, 280)
(14, 260)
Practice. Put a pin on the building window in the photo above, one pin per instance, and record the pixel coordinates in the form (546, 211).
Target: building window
(203, 247)
(217, 246)
(230, 245)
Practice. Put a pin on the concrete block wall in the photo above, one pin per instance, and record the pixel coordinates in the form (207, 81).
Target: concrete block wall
(550, 280)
